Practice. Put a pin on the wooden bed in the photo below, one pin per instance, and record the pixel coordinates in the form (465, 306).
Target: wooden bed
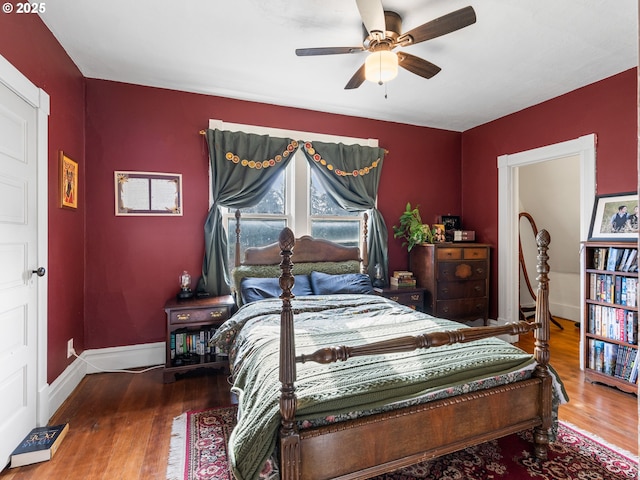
(386, 441)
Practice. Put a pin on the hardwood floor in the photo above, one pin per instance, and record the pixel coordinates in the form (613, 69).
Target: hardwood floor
(605, 411)
(120, 424)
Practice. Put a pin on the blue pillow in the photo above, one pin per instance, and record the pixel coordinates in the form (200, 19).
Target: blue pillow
(255, 288)
(325, 284)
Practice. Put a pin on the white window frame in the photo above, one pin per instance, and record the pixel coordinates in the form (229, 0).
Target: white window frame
(297, 214)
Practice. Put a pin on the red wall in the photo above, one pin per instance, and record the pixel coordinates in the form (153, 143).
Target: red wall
(29, 46)
(133, 263)
(607, 108)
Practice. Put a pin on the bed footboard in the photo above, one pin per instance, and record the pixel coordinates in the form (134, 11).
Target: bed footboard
(465, 420)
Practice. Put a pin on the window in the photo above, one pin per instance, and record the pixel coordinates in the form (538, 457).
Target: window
(297, 200)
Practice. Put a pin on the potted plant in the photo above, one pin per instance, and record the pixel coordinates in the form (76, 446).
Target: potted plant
(411, 228)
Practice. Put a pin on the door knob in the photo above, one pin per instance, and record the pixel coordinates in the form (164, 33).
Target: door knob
(40, 272)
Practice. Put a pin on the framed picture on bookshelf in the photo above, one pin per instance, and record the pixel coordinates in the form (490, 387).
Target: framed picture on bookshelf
(615, 217)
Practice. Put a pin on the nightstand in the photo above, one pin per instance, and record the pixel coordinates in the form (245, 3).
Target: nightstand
(190, 324)
(410, 296)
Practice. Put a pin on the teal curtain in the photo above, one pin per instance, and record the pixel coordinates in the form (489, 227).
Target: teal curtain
(351, 174)
(243, 168)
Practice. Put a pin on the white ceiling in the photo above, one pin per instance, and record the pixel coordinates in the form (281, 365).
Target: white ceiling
(519, 52)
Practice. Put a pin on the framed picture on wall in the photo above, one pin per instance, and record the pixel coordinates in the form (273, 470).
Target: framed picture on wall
(68, 182)
(615, 217)
(148, 193)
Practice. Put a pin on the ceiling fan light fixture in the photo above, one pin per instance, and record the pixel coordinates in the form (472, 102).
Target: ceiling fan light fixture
(381, 66)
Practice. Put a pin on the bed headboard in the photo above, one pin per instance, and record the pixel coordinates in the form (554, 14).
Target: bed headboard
(308, 250)
(312, 254)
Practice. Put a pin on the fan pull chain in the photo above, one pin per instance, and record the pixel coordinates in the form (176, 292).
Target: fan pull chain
(385, 91)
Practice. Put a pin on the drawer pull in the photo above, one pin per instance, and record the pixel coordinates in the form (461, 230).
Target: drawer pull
(395, 299)
(415, 296)
(477, 289)
(183, 316)
(215, 314)
(445, 290)
(480, 271)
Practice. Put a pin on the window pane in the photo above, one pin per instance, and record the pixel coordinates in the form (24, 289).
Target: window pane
(255, 233)
(273, 202)
(322, 203)
(345, 232)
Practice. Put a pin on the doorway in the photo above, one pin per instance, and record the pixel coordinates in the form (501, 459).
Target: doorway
(508, 210)
(24, 111)
(556, 210)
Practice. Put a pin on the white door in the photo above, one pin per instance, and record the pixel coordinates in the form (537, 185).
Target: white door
(18, 258)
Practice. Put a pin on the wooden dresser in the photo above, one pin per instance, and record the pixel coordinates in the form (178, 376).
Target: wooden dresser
(455, 278)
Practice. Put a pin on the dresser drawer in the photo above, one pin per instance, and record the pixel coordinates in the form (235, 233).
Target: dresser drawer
(472, 288)
(475, 253)
(462, 308)
(450, 271)
(411, 299)
(449, 253)
(216, 314)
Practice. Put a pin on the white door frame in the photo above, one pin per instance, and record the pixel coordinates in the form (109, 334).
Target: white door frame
(508, 209)
(39, 99)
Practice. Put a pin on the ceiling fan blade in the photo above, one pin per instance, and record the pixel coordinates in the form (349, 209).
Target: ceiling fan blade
(372, 14)
(304, 52)
(356, 80)
(417, 65)
(440, 26)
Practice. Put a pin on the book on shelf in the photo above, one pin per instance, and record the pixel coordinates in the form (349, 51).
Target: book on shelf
(613, 323)
(612, 258)
(618, 361)
(622, 290)
(186, 342)
(632, 262)
(39, 445)
(610, 352)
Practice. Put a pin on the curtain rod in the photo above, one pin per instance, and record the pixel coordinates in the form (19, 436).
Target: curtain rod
(204, 132)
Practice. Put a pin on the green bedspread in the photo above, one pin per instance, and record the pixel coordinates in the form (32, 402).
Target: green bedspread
(364, 383)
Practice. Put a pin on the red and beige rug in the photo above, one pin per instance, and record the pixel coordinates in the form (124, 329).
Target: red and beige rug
(199, 452)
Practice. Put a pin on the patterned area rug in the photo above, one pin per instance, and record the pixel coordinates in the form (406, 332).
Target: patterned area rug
(199, 452)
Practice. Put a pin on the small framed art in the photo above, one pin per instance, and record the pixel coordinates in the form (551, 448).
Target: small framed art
(615, 217)
(451, 224)
(148, 193)
(68, 182)
(438, 233)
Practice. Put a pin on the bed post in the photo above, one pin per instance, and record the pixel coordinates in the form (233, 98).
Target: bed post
(289, 439)
(365, 247)
(541, 351)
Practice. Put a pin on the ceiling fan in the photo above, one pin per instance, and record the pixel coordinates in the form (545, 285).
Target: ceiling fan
(382, 33)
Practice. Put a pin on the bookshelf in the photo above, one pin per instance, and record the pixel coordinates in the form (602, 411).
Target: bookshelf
(610, 339)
